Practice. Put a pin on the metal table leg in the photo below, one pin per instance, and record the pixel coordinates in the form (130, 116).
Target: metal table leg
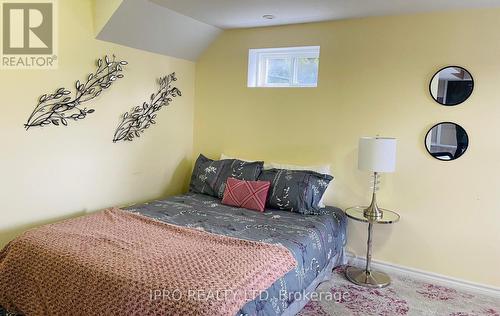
(367, 277)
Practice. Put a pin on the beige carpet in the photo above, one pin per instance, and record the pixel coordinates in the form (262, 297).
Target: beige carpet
(405, 296)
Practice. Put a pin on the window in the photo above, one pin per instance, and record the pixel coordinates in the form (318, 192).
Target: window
(283, 67)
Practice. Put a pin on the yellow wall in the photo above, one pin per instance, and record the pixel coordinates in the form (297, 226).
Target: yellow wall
(374, 77)
(56, 172)
(102, 12)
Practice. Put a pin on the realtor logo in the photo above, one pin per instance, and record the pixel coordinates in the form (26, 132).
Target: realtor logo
(28, 35)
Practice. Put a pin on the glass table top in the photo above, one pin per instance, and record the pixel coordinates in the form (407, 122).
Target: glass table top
(356, 213)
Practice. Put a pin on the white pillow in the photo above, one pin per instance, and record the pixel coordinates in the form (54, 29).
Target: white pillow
(324, 169)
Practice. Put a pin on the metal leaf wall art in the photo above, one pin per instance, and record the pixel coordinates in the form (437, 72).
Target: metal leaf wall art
(142, 117)
(61, 107)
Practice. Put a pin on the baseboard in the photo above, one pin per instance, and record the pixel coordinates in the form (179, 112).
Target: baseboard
(425, 275)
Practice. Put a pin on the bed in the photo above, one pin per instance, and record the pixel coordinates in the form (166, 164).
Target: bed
(315, 241)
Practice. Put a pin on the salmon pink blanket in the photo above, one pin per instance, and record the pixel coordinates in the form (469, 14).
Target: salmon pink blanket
(119, 263)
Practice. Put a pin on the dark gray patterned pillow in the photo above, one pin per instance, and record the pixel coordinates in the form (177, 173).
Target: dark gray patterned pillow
(295, 190)
(209, 176)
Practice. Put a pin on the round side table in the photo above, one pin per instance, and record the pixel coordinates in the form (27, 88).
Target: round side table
(367, 277)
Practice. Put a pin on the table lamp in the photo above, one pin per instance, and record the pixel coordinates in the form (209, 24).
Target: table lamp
(377, 155)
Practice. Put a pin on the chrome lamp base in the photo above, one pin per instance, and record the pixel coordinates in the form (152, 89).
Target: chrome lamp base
(373, 212)
(362, 277)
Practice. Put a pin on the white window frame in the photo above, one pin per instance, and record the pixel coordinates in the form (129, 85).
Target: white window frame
(438, 139)
(257, 65)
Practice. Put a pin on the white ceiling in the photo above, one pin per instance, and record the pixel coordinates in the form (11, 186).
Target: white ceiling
(145, 25)
(449, 74)
(229, 14)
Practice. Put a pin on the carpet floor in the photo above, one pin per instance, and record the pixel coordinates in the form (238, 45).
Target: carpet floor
(404, 296)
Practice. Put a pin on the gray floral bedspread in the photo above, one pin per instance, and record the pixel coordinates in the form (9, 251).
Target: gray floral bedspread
(313, 239)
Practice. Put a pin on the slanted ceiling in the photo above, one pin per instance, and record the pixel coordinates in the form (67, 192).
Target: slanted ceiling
(145, 25)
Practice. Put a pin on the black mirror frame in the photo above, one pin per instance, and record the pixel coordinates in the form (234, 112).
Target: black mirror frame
(437, 124)
(453, 104)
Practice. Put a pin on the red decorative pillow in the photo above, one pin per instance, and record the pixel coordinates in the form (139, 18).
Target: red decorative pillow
(248, 194)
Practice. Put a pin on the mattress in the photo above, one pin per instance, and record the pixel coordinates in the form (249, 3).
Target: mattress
(316, 241)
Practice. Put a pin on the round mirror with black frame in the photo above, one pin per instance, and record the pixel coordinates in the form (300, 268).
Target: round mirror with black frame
(446, 141)
(451, 85)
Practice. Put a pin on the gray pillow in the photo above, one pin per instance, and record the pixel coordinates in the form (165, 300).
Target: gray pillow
(209, 176)
(295, 190)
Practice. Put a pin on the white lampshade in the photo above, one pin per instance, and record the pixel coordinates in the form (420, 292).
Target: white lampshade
(377, 154)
